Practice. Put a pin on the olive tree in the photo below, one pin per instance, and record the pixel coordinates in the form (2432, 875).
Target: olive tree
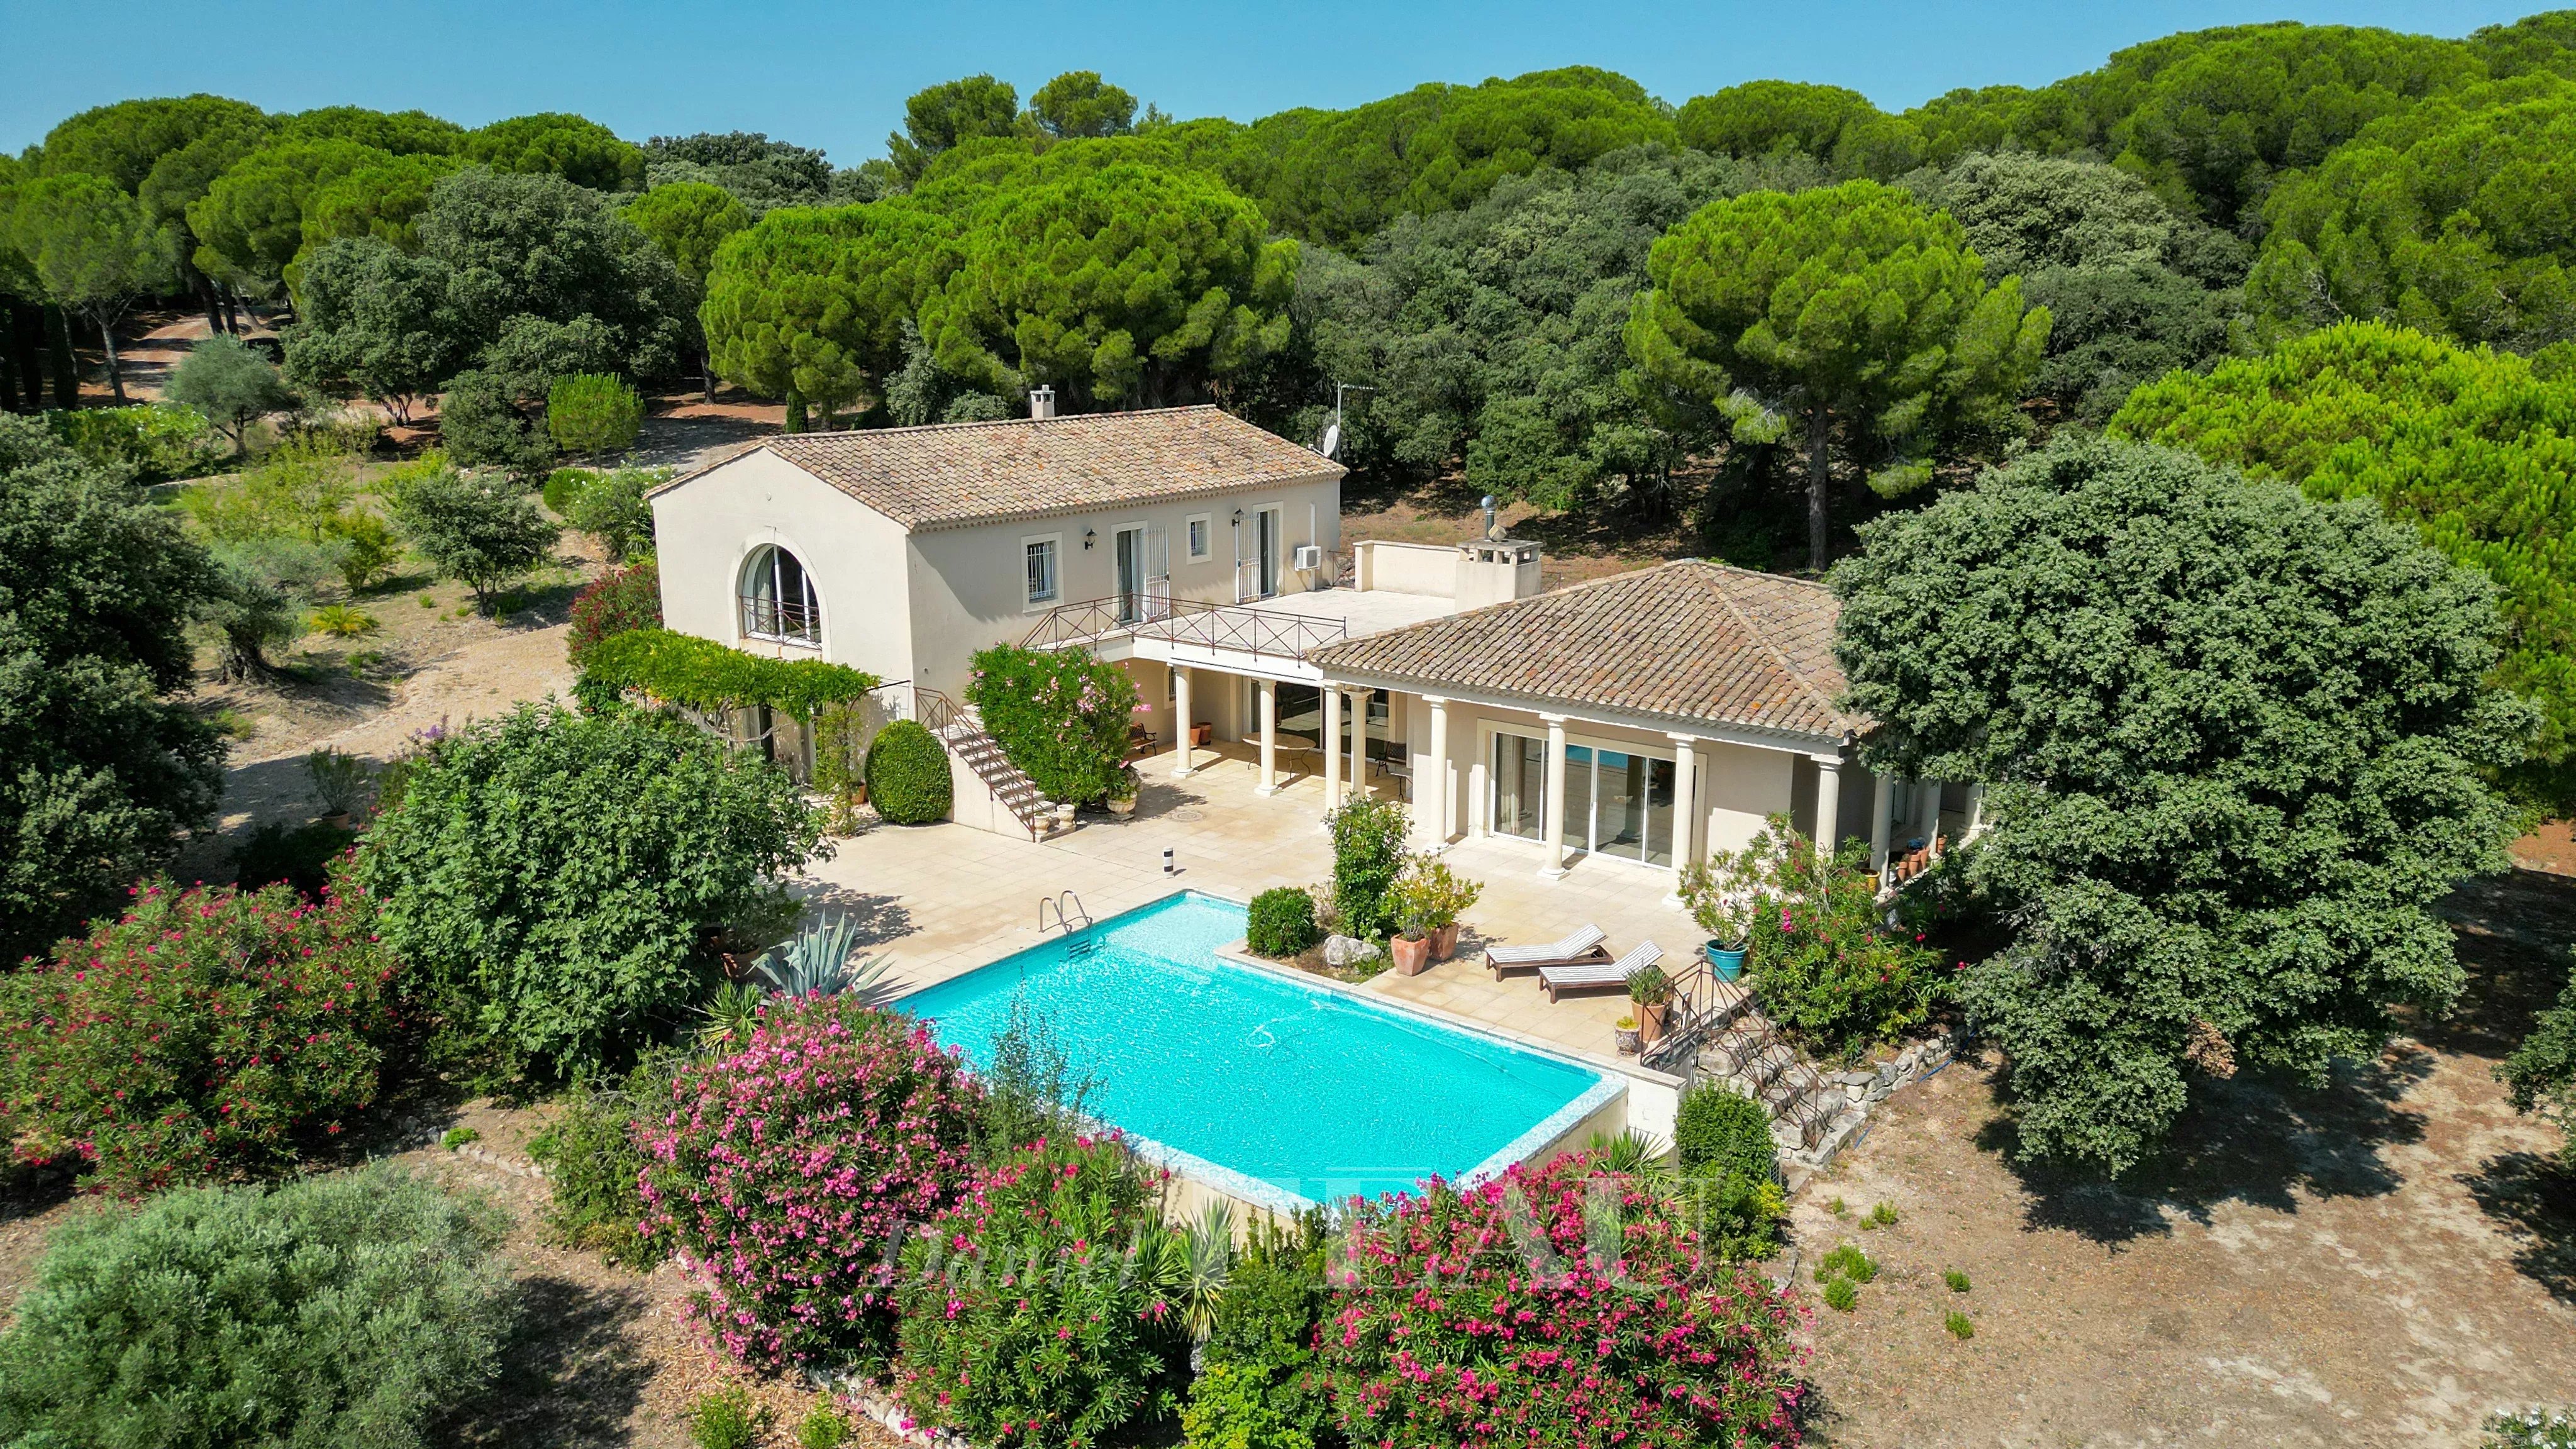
(2231, 740)
(230, 383)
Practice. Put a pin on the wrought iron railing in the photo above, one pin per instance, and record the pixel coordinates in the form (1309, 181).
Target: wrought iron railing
(779, 619)
(1230, 627)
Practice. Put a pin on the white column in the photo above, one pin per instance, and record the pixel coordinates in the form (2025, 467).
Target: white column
(1927, 810)
(1431, 779)
(1554, 804)
(1687, 814)
(1180, 720)
(1882, 807)
(1268, 690)
(1329, 698)
(1829, 801)
(1976, 813)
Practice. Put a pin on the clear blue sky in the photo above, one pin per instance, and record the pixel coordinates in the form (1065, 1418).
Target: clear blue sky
(835, 75)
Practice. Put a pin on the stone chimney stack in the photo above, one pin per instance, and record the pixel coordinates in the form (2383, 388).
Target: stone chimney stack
(1041, 402)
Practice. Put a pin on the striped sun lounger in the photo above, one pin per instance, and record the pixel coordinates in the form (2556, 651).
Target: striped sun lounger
(1584, 945)
(1553, 979)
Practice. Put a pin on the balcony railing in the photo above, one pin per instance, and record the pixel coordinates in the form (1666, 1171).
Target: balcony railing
(1233, 628)
(791, 623)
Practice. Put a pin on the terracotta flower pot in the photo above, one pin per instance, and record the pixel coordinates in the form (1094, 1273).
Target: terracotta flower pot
(1650, 1024)
(1411, 957)
(1444, 942)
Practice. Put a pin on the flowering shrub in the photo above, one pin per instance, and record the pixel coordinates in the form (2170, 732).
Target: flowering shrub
(787, 1172)
(203, 1033)
(1060, 715)
(614, 603)
(1040, 1312)
(1481, 1318)
(1824, 965)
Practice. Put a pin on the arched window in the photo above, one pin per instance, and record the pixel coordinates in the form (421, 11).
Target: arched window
(778, 599)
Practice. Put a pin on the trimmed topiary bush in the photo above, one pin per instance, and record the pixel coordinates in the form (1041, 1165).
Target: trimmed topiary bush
(353, 1309)
(1281, 922)
(202, 1033)
(908, 775)
(1663, 1355)
(1039, 1313)
(1720, 1130)
(785, 1174)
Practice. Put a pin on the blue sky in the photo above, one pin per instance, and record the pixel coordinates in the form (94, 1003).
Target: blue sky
(835, 75)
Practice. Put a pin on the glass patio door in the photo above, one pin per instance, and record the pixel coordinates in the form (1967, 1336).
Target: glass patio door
(1615, 803)
(1129, 549)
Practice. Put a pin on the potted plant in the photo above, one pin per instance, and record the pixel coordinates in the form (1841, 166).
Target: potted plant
(1123, 789)
(1411, 902)
(1652, 991)
(1721, 899)
(1436, 895)
(341, 781)
(1629, 1046)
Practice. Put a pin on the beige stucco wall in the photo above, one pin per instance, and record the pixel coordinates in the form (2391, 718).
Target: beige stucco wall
(1406, 568)
(706, 528)
(966, 587)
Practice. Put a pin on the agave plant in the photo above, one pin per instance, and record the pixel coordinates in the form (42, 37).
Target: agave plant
(1193, 1266)
(822, 960)
(729, 1013)
(1641, 1155)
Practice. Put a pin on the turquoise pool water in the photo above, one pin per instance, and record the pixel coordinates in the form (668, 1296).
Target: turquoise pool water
(1298, 1087)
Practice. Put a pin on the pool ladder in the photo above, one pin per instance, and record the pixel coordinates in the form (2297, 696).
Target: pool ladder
(1068, 909)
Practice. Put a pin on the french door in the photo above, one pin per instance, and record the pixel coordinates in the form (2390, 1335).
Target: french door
(1617, 803)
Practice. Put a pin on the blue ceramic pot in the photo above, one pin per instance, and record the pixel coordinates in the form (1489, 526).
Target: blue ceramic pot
(1727, 964)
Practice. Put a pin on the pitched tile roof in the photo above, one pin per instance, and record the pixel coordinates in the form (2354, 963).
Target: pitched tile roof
(1691, 641)
(952, 475)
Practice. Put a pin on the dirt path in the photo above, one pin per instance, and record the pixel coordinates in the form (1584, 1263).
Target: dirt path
(2384, 1261)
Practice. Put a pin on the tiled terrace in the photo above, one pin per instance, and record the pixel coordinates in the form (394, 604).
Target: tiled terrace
(941, 900)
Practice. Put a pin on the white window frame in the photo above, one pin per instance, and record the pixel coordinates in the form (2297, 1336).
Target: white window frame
(1487, 734)
(1198, 533)
(1029, 604)
(811, 604)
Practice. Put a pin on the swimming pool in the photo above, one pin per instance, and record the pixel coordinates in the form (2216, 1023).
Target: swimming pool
(1234, 1071)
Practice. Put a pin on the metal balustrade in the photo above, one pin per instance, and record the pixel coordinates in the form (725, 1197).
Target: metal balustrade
(1230, 627)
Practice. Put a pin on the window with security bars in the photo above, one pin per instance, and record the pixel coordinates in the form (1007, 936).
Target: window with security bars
(778, 600)
(1041, 561)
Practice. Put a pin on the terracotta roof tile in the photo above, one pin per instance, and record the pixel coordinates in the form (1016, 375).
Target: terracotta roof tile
(952, 475)
(1690, 641)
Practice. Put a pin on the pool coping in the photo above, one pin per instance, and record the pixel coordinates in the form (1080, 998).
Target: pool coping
(1605, 1089)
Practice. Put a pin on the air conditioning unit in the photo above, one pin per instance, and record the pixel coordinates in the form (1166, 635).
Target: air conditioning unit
(1308, 557)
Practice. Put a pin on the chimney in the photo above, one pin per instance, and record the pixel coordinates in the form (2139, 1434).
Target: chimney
(1041, 402)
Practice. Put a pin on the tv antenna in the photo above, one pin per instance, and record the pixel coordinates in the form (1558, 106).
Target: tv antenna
(1332, 442)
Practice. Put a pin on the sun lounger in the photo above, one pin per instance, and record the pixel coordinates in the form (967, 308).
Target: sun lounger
(1553, 979)
(1584, 945)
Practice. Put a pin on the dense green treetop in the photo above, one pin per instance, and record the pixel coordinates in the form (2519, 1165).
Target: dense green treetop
(2476, 448)
(688, 220)
(380, 199)
(124, 141)
(250, 223)
(809, 287)
(757, 171)
(1837, 126)
(2546, 41)
(941, 116)
(403, 133)
(1847, 307)
(556, 143)
(2231, 741)
(1080, 104)
(537, 245)
(2450, 219)
(1130, 285)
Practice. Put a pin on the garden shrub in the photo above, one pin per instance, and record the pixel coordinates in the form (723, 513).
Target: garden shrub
(1722, 1131)
(2531, 1429)
(724, 1419)
(299, 856)
(591, 412)
(616, 602)
(1823, 964)
(352, 1309)
(1259, 1386)
(201, 1033)
(562, 486)
(1847, 1261)
(1060, 715)
(612, 509)
(1037, 1313)
(787, 1172)
(1841, 1296)
(154, 442)
(1959, 1325)
(2540, 1076)
(1661, 1356)
(551, 875)
(908, 778)
(595, 1164)
(1368, 855)
(840, 749)
(1281, 922)
(474, 528)
(1031, 1091)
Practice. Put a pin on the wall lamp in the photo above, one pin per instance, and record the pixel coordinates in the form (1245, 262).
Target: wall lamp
(1088, 535)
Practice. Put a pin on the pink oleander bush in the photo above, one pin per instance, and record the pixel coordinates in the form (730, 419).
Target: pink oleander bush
(1041, 1312)
(1445, 1334)
(788, 1173)
(200, 1034)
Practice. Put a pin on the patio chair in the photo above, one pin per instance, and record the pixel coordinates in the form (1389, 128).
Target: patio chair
(1584, 945)
(1553, 979)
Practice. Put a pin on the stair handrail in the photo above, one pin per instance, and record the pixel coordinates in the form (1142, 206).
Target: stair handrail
(939, 714)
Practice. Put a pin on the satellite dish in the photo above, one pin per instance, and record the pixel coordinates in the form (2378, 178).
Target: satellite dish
(1332, 440)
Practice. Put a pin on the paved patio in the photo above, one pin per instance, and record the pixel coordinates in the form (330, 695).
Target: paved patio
(941, 900)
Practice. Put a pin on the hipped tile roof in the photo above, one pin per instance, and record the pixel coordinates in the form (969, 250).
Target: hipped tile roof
(1689, 642)
(953, 475)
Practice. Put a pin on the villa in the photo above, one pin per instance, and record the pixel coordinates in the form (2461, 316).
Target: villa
(1646, 719)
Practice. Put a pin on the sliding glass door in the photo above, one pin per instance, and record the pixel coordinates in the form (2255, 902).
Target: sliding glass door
(1616, 803)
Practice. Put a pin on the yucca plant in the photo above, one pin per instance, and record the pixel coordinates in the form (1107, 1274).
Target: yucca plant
(729, 1013)
(1637, 1154)
(1194, 1265)
(343, 621)
(823, 960)
(342, 780)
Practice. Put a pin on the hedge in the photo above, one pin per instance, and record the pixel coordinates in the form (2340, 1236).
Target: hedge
(1281, 922)
(908, 775)
(701, 674)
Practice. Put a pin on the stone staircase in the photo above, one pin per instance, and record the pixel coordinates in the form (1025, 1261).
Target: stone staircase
(1718, 1031)
(958, 728)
